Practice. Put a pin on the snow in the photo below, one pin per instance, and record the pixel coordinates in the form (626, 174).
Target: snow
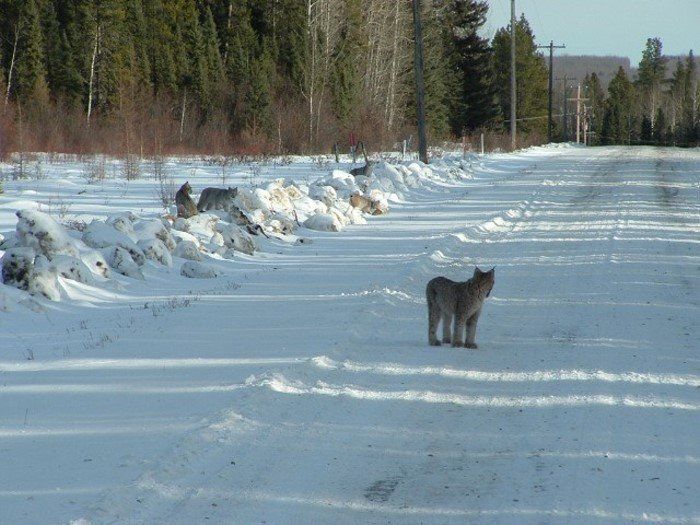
(294, 383)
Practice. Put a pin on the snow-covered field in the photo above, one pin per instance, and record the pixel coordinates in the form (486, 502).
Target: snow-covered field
(298, 387)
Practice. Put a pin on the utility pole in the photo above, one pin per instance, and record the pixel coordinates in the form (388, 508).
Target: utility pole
(513, 126)
(420, 85)
(578, 100)
(565, 124)
(551, 47)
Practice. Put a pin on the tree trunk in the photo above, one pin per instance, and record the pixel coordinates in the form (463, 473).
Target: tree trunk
(12, 65)
(92, 74)
(182, 113)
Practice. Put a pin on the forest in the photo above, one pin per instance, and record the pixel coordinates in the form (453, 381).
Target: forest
(144, 77)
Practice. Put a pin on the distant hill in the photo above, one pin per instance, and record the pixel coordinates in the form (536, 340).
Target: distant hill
(576, 67)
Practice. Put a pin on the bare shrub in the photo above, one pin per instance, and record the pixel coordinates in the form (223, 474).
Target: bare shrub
(131, 167)
(95, 169)
(166, 189)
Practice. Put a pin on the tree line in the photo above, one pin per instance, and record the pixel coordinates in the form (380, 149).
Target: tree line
(655, 108)
(255, 76)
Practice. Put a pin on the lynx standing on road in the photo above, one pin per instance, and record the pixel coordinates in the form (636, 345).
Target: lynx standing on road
(463, 301)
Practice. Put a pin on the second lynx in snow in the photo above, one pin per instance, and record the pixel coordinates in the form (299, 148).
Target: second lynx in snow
(216, 199)
(462, 301)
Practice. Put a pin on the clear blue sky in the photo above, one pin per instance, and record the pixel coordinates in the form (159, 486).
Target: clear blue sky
(606, 27)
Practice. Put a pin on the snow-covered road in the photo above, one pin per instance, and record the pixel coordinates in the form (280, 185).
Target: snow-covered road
(300, 387)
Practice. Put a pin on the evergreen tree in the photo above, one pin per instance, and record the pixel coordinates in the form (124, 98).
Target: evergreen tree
(215, 65)
(660, 132)
(646, 134)
(475, 105)
(440, 84)
(160, 38)
(67, 78)
(346, 81)
(259, 94)
(136, 29)
(531, 75)
(593, 91)
(652, 71)
(190, 59)
(692, 96)
(241, 48)
(30, 84)
(617, 122)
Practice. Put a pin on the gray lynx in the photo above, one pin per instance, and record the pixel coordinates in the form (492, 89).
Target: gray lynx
(365, 170)
(183, 201)
(216, 199)
(462, 301)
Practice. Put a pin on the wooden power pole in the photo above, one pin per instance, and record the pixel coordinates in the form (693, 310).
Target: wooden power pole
(513, 125)
(551, 48)
(579, 114)
(420, 85)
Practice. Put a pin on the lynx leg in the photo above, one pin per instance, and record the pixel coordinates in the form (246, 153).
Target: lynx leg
(446, 325)
(433, 319)
(471, 330)
(458, 332)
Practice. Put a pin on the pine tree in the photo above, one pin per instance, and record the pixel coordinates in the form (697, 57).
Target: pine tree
(287, 33)
(618, 121)
(30, 84)
(259, 94)
(215, 65)
(346, 82)
(440, 84)
(191, 60)
(139, 62)
(652, 71)
(531, 74)
(160, 38)
(660, 131)
(646, 133)
(475, 105)
(241, 48)
(593, 91)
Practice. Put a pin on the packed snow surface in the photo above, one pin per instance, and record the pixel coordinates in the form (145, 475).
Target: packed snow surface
(270, 364)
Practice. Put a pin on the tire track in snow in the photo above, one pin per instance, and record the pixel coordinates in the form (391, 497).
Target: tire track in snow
(279, 383)
(397, 369)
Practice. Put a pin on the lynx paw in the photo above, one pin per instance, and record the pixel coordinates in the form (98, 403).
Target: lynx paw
(470, 345)
(434, 343)
(457, 344)
(447, 340)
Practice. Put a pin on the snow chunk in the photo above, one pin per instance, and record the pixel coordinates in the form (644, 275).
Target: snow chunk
(73, 268)
(154, 228)
(188, 250)
(325, 194)
(198, 270)
(324, 222)
(17, 267)
(155, 250)
(44, 280)
(120, 260)
(38, 230)
(99, 234)
(234, 236)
